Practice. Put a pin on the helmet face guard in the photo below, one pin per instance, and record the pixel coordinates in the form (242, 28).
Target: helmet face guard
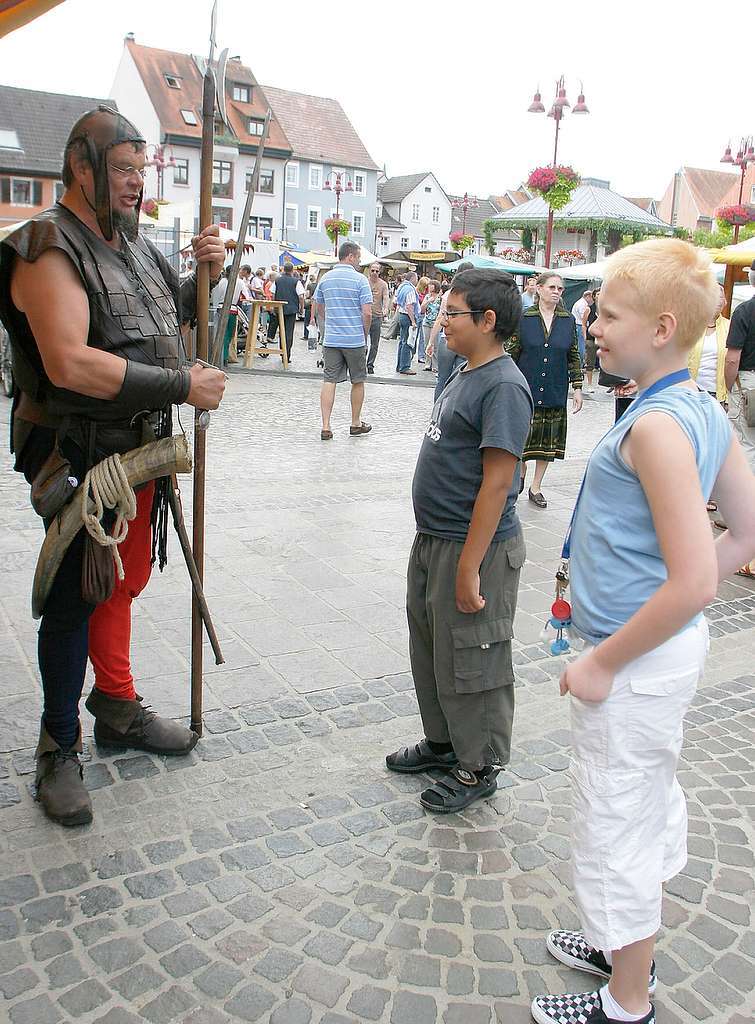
(98, 131)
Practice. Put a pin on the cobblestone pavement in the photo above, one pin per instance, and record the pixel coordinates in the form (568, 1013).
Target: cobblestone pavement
(279, 873)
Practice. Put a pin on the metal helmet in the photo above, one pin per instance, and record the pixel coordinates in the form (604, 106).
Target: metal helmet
(98, 131)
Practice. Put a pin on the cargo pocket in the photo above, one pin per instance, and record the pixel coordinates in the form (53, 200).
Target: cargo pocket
(482, 656)
(659, 702)
(517, 554)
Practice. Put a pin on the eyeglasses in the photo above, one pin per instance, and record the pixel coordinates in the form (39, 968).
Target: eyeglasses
(128, 172)
(446, 314)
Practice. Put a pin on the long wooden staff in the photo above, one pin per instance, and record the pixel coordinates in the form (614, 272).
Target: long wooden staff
(233, 273)
(201, 416)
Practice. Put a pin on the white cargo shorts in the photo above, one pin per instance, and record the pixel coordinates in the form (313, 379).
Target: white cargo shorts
(629, 832)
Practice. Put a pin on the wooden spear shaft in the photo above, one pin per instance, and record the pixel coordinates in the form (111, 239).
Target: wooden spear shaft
(201, 417)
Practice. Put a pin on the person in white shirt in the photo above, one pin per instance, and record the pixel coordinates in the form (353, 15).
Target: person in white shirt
(580, 311)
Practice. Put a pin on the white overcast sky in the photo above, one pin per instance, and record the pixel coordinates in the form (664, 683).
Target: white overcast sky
(445, 87)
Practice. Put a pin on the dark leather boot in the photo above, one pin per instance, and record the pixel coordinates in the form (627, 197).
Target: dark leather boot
(129, 725)
(59, 782)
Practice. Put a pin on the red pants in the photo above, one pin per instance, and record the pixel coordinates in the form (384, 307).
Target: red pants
(110, 623)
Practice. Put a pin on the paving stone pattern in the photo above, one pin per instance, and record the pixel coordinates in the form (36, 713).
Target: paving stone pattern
(279, 873)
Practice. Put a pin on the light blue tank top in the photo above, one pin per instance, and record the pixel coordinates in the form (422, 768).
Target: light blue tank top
(616, 564)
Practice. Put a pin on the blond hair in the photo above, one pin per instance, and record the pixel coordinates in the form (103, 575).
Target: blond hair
(669, 276)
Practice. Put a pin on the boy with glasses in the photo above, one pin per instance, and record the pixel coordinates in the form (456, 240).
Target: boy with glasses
(464, 566)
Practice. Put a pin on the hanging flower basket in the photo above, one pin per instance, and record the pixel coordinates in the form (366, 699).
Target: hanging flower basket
(151, 208)
(570, 256)
(735, 216)
(337, 227)
(517, 255)
(554, 184)
(459, 241)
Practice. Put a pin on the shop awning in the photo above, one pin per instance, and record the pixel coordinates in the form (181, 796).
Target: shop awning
(15, 13)
(740, 255)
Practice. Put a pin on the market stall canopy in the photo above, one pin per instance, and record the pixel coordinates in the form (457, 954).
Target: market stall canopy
(740, 255)
(492, 263)
(327, 259)
(15, 13)
(589, 207)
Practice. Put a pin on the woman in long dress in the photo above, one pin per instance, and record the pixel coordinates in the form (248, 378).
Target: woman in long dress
(546, 350)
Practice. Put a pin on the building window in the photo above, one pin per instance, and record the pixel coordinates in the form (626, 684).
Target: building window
(404, 243)
(181, 172)
(428, 188)
(752, 196)
(436, 215)
(292, 216)
(313, 218)
(360, 184)
(357, 223)
(223, 215)
(292, 175)
(241, 93)
(25, 192)
(379, 211)
(424, 243)
(173, 81)
(415, 211)
(222, 179)
(384, 241)
(9, 139)
(443, 245)
(267, 182)
(260, 227)
(58, 190)
(189, 117)
(256, 127)
(315, 176)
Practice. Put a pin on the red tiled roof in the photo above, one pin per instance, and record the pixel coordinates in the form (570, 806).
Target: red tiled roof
(153, 65)
(318, 129)
(708, 188)
(643, 202)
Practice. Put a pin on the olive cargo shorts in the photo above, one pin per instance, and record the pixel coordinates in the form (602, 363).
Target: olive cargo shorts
(461, 663)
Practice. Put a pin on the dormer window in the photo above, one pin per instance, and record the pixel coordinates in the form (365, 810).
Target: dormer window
(241, 93)
(256, 127)
(189, 117)
(173, 81)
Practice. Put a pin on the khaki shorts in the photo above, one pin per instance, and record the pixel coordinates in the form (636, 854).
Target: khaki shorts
(337, 361)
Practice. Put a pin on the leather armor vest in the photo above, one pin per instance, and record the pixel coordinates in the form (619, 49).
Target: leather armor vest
(133, 298)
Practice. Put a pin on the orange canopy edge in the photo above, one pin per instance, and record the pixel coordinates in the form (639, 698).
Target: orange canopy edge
(15, 13)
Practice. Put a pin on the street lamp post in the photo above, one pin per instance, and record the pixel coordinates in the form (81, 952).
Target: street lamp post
(339, 188)
(466, 202)
(557, 111)
(745, 155)
(160, 159)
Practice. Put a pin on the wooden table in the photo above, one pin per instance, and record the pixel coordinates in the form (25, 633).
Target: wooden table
(252, 348)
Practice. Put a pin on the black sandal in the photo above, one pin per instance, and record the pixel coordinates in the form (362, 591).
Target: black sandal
(537, 499)
(458, 790)
(419, 758)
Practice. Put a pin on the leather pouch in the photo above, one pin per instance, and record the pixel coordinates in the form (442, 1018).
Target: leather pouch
(97, 572)
(53, 486)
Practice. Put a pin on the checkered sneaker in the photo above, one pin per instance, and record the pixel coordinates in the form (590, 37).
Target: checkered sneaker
(576, 1008)
(572, 949)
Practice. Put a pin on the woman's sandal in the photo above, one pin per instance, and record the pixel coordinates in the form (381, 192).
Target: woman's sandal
(747, 572)
(419, 758)
(711, 507)
(457, 790)
(537, 499)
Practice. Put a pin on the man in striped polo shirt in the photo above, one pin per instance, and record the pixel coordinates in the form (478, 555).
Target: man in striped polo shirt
(343, 305)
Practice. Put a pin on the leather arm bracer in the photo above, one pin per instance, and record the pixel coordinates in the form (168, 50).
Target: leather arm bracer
(152, 387)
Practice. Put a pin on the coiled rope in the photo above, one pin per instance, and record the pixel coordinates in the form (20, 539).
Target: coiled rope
(108, 487)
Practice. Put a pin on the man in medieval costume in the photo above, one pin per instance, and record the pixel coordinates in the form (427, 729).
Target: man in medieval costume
(94, 314)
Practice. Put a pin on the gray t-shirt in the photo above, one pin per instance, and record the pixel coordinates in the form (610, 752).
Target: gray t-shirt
(488, 407)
